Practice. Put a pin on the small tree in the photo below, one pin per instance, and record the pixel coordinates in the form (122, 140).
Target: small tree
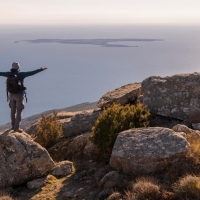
(49, 130)
(116, 119)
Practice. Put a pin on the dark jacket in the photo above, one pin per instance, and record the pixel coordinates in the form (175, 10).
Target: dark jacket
(21, 75)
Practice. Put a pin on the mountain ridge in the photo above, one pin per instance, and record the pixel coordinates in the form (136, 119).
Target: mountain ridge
(31, 119)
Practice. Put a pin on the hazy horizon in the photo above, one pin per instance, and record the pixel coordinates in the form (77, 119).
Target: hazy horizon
(128, 12)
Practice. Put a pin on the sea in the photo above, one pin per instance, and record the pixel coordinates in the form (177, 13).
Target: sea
(79, 73)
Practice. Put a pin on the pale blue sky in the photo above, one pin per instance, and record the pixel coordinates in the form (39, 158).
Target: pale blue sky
(99, 11)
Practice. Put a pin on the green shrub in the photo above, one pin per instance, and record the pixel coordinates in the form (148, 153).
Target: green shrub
(116, 119)
(188, 187)
(49, 130)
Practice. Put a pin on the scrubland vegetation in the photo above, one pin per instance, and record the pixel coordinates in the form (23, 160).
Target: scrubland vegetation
(116, 119)
(176, 181)
(49, 130)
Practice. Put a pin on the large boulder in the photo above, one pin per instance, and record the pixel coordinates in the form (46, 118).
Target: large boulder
(143, 150)
(22, 159)
(175, 96)
(80, 123)
(123, 95)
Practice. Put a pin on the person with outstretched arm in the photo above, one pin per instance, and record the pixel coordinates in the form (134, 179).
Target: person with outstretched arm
(16, 89)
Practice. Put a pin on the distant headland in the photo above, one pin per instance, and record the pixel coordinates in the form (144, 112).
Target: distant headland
(100, 42)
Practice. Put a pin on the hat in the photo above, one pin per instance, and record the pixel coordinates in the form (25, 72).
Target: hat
(15, 65)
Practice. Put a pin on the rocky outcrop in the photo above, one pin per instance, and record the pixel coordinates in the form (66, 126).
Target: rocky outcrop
(73, 123)
(76, 147)
(142, 150)
(196, 126)
(37, 183)
(123, 95)
(182, 128)
(176, 96)
(80, 123)
(40, 182)
(81, 145)
(110, 180)
(62, 169)
(189, 132)
(22, 159)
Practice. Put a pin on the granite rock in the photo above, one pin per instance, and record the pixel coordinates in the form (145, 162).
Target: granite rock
(80, 123)
(62, 169)
(143, 150)
(195, 134)
(123, 95)
(22, 159)
(176, 96)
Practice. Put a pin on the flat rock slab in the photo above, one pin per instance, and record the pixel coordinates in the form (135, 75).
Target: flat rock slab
(142, 150)
(123, 95)
(175, 96)
(22, 159)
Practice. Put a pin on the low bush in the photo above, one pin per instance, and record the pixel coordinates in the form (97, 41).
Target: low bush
(146, 188)
(195, 148)
(49, 130)
(116, 119)
(188, 187)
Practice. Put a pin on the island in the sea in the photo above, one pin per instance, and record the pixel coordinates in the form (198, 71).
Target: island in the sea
(100, 42)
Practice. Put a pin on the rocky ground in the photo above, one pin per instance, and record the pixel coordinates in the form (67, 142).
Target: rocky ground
(93, 178)
(83, 183)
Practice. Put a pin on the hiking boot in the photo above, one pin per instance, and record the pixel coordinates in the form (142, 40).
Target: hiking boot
(18, 130)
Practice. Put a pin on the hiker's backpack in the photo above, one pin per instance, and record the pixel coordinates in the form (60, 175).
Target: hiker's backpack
(13, 84)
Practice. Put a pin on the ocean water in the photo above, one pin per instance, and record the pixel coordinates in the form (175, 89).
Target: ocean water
(80, 73)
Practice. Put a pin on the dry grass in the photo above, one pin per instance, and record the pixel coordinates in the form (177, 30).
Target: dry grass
(189, 164)
(144, 189)
(5, 196)
(188, 187)
(195, 148)
(115, 196)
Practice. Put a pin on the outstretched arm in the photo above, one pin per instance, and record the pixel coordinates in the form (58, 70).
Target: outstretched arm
(26, 74)
(6, 74)
(43, 68)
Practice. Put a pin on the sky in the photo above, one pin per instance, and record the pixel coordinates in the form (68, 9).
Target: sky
(99, 12)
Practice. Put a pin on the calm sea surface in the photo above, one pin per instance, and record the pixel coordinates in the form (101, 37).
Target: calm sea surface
(80, 73)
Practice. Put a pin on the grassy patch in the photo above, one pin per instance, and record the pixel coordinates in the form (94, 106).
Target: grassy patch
(188, 187)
